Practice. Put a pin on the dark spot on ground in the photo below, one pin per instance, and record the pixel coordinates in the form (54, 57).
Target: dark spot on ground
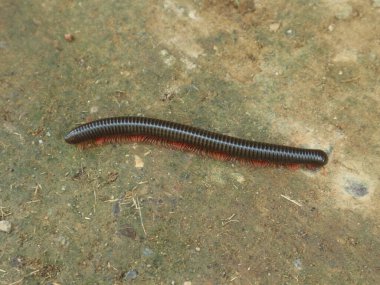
(356, 189)
(128, 231)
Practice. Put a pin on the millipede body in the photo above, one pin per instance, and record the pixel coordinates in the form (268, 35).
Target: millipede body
(193, 138)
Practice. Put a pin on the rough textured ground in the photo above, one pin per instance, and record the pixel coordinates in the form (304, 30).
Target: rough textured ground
(302, 73)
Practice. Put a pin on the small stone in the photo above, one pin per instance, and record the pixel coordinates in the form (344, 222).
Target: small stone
(139, 163)
(94, 109)
(17, 261)
(238, 177)
(69, 37)
(193, 15)
(274, 27)
(331, 27)
(147, 252)
(298, 264)
(130, 275)
(290, 33)
(125, 73)
(198, 249)
(187, 283)
(5, 226)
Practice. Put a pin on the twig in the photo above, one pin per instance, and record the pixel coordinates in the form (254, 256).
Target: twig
(350, 79)
(229, 220)
(111, 200)
(29, 274)
(137, 206)
(33, 201)
(94, 206)
(16, 282)
(4, 213)
(291, 200)
(33, 272)
(37, 188)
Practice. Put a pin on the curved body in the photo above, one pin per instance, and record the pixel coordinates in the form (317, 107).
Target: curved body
(195, 138)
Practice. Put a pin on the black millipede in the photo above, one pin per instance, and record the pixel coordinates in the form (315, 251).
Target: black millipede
(192, 138)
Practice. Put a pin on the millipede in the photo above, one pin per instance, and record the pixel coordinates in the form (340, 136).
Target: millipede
(184, 137)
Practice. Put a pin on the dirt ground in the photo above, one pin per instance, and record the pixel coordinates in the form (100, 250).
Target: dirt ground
(300, 73)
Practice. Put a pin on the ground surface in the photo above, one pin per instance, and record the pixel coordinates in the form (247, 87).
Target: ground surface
(277, 71)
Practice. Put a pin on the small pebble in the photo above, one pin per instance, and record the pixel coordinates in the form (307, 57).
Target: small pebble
(238, 177)
(94, 109)
(198, 249)
(139, 163)
(147, 251)
(17, 261)
(130, 275)
(290, 33)
(69, 37)
(274, 27)
(298, 264)
(5, 226)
